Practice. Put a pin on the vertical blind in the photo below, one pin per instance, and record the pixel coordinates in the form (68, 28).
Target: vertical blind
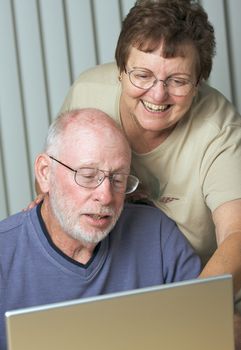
(45, 45)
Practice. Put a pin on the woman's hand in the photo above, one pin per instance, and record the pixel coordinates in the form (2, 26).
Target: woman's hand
(35, 202)
(140, 196)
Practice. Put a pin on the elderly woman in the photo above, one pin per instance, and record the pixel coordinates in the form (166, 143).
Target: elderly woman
(185, 136)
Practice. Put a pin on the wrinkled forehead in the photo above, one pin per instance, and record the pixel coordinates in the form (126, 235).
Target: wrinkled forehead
(104, 146)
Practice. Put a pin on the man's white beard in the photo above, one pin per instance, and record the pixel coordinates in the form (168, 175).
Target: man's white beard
(69, 217)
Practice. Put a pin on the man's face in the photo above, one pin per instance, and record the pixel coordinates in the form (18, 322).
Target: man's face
(88, 214)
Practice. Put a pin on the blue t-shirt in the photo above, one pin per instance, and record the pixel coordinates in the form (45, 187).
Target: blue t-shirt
(144, 249)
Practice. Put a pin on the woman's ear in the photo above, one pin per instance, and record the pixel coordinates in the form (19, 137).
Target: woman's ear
(197, 86)
(42, 172)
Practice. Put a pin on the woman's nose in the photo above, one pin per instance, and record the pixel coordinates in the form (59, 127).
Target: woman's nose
(159, 90)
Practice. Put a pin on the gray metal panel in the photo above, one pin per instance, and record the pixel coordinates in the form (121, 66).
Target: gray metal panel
(3, 197)
(32, 76)
(14, 148)
(108, 24)
(234, 11)
(81, 36)
(126, 5)
(220, 76)
(55, 50)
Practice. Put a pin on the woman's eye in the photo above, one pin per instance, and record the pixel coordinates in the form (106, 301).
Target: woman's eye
(178, 82)
(142, 75)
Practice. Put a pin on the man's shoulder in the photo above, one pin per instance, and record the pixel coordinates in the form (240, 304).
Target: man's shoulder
(146, 213)
(16, 223)
(16, 232)
(12, 222)
(147, 223)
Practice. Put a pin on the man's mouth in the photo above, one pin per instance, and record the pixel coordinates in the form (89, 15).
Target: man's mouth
(98, 216)
(151, 107)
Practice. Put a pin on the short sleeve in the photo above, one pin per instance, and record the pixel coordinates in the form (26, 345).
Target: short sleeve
(221, 167)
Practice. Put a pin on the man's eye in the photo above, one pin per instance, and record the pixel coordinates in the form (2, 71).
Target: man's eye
(88, 176)
(119, 179)
(87, 173)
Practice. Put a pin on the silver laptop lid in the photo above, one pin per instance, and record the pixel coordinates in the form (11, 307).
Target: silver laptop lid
(195, 314)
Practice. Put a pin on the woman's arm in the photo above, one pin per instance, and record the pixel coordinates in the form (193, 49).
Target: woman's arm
(227, 258)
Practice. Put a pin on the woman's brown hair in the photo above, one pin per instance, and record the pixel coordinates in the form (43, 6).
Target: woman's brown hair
(175, 23)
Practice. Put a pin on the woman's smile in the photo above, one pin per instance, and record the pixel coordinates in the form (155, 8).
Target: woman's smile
(151, 107)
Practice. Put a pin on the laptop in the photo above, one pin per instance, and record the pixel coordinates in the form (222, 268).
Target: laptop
(195, 314)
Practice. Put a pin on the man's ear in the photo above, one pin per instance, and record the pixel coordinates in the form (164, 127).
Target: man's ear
(42, 172)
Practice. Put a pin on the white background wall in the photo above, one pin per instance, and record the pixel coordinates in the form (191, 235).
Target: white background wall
(45, 44)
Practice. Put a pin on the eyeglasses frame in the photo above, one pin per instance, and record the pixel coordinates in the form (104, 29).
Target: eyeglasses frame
(110, 176)
(164, 82)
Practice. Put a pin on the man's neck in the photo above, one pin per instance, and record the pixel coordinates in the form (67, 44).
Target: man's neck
(73, 248)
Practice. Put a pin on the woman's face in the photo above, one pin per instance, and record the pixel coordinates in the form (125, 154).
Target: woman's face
(155, 109)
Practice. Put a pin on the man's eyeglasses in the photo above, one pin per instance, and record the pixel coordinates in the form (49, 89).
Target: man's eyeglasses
(93, 177)
(145, 79)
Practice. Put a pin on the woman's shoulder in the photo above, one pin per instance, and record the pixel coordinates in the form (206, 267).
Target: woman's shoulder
(104, 73)
(97, 87)
(211, 106)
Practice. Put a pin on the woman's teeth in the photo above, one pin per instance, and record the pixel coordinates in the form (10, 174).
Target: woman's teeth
(154, 108)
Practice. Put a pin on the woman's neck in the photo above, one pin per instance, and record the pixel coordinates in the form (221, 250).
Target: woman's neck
(141, 140)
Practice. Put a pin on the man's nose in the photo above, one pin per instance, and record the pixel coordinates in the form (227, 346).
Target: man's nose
(104, 192)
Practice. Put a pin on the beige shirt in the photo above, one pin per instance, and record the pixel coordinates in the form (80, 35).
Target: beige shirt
(196, 169)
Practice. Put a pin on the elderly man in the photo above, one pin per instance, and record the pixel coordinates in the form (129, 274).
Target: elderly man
(81, 240)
